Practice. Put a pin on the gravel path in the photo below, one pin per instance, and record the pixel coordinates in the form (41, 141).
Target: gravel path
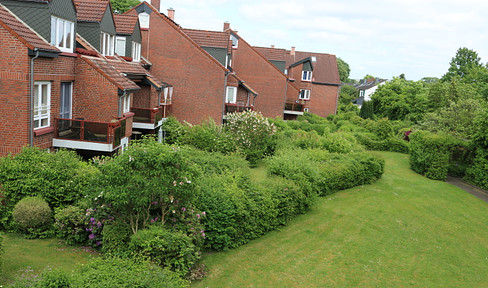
(476, 191)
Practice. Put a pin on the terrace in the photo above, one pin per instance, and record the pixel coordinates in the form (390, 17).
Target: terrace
(92, 135)
(294, 108)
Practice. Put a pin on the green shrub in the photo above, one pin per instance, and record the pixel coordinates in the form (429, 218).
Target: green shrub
(109, 272)
(341, 142)
(32, 216)
(478, 172)
(371, 142)
(172, 130)
(1, 250)
(430, 153)
(70, 223)
(253, 134)
(60, 178)
(116, 238)
(165, 248)
(304, 140)
(210, 137)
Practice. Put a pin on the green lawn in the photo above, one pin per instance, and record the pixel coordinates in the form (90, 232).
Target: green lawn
(404, 230)
(31, 257)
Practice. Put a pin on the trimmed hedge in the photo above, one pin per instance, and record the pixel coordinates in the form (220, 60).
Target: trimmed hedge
(326, 173)
(369, 140)
(32, 216)
(430, 153)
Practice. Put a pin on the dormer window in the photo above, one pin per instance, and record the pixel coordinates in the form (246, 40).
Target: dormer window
(62, 34)
(136, 51)
(306, 75)
(144, 20)
(235, 40)
(120, 45)
(107, 43)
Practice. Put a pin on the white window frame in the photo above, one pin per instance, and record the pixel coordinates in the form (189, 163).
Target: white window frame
(120, 44)
(42, 112)
(107, 43)
(361, 93)
(144, 20)
(235, 41)
(306, 75)
(58, 37)
(126, 103)
(136, 51)
(305, 109)
(304, 94)
(231, 91)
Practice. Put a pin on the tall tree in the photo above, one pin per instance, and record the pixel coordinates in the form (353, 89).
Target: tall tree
(121, 6)
(344, 70)
(465, 62)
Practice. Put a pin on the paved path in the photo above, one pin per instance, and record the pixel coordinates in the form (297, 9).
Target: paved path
(476, 191)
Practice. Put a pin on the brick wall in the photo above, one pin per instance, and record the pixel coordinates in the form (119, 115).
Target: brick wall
(198, 80)
(263, 77)
(95, 98)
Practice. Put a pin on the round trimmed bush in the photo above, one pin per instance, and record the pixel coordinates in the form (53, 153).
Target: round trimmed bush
(32, 213)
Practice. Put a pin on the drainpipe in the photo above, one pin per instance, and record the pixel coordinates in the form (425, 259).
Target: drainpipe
(225, 96)
(31, 100)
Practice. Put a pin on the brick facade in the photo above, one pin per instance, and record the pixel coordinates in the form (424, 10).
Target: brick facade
(198, 79)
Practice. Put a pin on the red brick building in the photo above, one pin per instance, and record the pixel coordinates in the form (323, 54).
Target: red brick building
(199, 80)
(54, 95)
(315, 74)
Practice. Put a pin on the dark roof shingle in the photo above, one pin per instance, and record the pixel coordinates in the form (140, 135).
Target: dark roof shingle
(207, 38)
(276, 54)
(325, 68)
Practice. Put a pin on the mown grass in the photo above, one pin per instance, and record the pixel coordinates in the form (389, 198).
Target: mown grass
(27, 258)
(404, 230)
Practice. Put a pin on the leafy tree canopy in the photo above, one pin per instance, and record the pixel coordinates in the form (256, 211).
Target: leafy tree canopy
(368, 76)
(121, 6)
(344, 70)
(463, 64)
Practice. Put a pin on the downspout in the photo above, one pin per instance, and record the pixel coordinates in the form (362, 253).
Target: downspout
(286, 94)
(225, 96)
(31, 100)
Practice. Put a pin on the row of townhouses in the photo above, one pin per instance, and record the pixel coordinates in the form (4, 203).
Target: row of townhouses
(74, 75)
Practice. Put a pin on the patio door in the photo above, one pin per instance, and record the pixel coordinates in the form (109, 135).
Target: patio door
(65, 105)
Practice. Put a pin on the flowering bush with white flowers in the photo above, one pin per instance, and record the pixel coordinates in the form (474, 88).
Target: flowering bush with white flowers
(252, 132)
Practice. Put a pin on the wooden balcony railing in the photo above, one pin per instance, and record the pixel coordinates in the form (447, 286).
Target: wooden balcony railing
(231, 108)
(91, 131)
(147, 115)
(292, 106)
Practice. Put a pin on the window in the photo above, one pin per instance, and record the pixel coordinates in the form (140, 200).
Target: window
(361, 93)
(120, 45)
(62, 34)
(305, 109)
(231, 95)
(126, 103)
(136, 51)
(306, 75)
(235, 40)
(144, 20)
(42, 104)
(304, 94)
(107, 44)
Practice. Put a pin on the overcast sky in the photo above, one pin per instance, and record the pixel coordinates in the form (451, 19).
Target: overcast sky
(383, 38)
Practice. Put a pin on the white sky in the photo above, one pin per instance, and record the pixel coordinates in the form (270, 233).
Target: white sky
(383, 38)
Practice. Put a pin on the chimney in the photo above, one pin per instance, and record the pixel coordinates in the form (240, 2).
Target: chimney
(156, 4)
(292, 52)
(226, 26)
(272, 46)
(171, 13)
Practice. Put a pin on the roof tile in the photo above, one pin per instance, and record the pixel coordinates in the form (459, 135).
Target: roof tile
(125, 24)
(90, 10)
(23, 32)
(111, 73)
(325, 69)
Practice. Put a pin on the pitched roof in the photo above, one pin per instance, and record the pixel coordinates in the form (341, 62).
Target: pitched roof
(325, 67)
(90, 10)
(207, 38)
(366, 84)
(125, 24)
(111, 73)
(23, 32)
(276, 54)
(244, 84)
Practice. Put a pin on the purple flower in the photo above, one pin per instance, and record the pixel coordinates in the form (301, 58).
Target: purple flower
(98, 243)
(88, 229)
(198, 216)
(92, 220)
(173, 219)
(154, 203)
(183, 209)
(203, 213)
(99, 224)
(91, 236)
(152, 220)
(203, 235)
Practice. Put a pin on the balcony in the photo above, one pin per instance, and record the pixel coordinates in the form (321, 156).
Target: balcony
(92, 135)
(239, 107)
(147, 118)
(294, 108)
